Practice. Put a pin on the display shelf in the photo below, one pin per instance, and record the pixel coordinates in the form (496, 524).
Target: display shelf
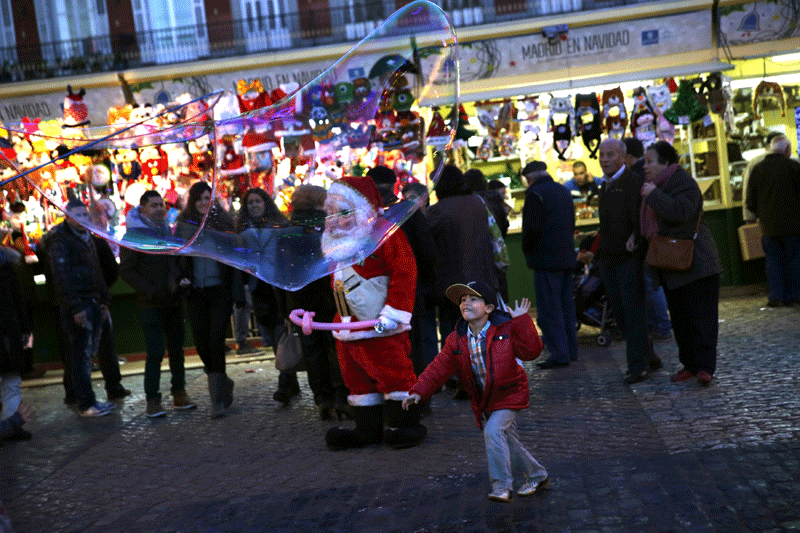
(710, 154)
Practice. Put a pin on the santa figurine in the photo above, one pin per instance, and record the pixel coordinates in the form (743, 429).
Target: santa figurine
(380, 285)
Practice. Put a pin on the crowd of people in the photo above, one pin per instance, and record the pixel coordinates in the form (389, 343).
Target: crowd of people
(446, 265)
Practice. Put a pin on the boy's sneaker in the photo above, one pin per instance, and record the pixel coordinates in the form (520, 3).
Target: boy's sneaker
(155, 409)
(530, 488)
(98, 409)
(181, 401)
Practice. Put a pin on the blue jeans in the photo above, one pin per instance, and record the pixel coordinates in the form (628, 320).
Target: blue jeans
(160, 325)
(505, 453)
(83, 341)
(657, 306)
(10, 393)
(783, 267)
(555, 314)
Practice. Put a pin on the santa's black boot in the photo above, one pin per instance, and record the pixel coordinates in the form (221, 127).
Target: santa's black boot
(369, 429)
(403, 429)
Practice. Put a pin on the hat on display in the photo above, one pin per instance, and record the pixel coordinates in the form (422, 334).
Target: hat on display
(534, 166)
(480, 289)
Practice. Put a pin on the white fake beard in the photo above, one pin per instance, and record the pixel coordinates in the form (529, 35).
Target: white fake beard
(343, 246)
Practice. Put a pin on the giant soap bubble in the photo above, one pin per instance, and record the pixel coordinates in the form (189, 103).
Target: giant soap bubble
(370, 105)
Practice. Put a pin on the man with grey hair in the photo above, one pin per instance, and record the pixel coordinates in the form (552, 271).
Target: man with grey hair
(747, 215)
(621, 253)
(773, 194)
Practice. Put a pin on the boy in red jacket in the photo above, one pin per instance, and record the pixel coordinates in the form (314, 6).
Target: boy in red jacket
(484, 350)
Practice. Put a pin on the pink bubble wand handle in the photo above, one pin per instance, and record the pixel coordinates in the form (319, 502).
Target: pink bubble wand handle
(303, 318)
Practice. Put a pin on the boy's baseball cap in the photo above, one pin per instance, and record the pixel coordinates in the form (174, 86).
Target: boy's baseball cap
(475, 288)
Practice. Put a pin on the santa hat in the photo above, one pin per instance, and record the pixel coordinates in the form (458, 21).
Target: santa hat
(259, 141)
(232, 163)
(75, 111)
(360, 191)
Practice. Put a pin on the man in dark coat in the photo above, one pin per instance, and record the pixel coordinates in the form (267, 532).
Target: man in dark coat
(548, 228)
(418, 233)
(621, 253)
(773, 194)
(154, 277)
(460, 228)
(83, 298)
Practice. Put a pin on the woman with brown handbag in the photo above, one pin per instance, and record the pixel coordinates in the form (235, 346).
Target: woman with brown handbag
(672, 206)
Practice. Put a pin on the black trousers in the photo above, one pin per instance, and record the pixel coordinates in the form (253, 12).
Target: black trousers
(694, 309)
(209, 312)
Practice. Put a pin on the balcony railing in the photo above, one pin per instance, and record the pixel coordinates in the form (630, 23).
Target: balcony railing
(253, 35)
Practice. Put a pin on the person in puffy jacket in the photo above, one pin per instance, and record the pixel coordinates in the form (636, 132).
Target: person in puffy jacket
(484, 350)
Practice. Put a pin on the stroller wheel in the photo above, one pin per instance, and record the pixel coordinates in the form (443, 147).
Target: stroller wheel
(604, 340)
(617, 334)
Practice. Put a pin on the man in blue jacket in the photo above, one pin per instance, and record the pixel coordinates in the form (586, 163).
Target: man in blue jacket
(548, 228)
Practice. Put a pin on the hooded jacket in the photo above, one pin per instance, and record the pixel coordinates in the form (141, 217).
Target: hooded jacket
(507, 340)
(153, 276)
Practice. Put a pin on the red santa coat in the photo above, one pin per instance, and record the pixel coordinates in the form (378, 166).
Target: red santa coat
(506, 387)
(373, 362)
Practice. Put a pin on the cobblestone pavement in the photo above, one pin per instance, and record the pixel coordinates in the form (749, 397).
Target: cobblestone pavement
(653, 457)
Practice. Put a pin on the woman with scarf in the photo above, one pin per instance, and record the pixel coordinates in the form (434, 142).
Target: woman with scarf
(672, 205)
(210, 289)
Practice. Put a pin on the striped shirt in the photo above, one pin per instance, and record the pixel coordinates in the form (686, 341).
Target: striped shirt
(477, 347)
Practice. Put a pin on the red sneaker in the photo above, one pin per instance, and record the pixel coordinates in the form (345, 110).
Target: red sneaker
(682, 375)
(704, 378)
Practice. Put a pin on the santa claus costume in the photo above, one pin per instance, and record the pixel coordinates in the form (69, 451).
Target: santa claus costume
(376, 366)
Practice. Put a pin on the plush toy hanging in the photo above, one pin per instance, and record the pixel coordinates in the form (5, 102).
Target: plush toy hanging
(643, 118)
(589, 121)
(462, 131)
(714, 93)
(562, 131)
(614, 114)
(409, 124)
(768, 92)
(251, 95)
(686, 105)
(232, 163)
(661, 98)
(437, 127)
(75, 111)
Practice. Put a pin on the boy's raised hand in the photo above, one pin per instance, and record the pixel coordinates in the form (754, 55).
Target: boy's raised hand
(520, 308)
(411, 400)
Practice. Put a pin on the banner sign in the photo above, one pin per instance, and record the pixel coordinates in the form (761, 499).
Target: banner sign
(643, 39)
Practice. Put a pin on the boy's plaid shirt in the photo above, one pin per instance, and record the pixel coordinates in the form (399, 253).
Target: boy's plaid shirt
(477, 346)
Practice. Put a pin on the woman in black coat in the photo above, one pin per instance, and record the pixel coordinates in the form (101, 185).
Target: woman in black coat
(210, 290)
(673, 206)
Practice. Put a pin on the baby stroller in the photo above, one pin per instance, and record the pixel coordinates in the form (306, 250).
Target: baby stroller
(591, 306)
